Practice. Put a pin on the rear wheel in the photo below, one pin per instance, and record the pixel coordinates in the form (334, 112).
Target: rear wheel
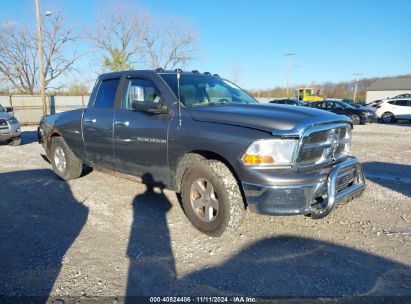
(387, 117)
(355, 119)
(65, 164)
(211, 198)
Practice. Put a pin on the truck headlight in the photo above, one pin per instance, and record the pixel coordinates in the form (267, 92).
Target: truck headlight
(13, 121)
(271, 152)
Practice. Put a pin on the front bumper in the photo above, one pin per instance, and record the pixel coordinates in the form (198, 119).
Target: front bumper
(368, 119)
(13, 131)
(344, 182)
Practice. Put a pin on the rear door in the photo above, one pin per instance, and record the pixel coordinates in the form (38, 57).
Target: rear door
(402, 110)
(98, 125)
(140, 137)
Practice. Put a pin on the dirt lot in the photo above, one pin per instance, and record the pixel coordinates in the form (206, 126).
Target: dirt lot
(104, 235)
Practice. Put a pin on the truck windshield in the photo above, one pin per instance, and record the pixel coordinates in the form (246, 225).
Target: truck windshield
(198, 90)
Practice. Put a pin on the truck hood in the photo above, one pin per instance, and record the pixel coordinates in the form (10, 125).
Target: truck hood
(266, 117)
(5, 115)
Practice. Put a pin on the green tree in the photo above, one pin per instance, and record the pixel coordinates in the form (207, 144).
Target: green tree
(117, 61)
(78, 89)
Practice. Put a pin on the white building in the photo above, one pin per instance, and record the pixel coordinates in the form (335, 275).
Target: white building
(388, 88)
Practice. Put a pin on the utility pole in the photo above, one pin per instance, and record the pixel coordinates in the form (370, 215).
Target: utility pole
(356, 85)
(289, 55)
(40, 47)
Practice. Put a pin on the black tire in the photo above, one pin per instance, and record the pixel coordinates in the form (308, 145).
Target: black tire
(387, 117)
(226, 194)
(15, 142)
(355, 119)
(73, 166)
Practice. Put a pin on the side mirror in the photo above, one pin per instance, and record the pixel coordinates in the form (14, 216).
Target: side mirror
(150, 107)
(9, 109)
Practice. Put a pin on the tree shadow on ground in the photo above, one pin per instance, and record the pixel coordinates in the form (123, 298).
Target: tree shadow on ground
(39, 221)
(28, 137)
(288, 266)
(396, 177)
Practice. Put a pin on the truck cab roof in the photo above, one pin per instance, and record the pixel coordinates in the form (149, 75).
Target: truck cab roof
(151, 72)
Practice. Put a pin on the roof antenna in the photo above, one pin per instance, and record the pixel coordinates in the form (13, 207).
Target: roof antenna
(178, 71)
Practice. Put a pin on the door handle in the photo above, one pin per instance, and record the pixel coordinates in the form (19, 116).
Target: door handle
(90, 120)
(122, 123)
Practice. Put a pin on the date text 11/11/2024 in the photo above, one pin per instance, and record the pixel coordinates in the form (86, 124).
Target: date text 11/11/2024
(203, 299)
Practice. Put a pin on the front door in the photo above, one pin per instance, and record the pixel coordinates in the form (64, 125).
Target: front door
(335, 107)
(98, 125)
(140, 138)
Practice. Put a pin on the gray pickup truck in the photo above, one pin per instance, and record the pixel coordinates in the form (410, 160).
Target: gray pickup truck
(207, 139)
(9, 127)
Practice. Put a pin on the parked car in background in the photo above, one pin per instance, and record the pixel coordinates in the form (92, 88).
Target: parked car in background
(358, 116)
(392, 109)
(407, 95)
(9, 127)
(287, 101)
(354, 104)
(374, 104)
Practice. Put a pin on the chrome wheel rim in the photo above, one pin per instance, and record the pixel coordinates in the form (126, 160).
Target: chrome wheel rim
(386, 118)
(355, 119)
(60, 159)
(204, 200)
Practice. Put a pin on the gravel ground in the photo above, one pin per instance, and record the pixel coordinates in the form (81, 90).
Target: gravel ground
(102, 235)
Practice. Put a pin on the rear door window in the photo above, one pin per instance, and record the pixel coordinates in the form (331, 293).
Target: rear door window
(106, 94)
(401, 103)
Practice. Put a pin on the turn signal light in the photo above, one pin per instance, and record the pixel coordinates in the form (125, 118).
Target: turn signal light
(377, 107)
(251, 159)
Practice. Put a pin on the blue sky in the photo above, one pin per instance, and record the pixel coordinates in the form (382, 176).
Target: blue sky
(332, 39)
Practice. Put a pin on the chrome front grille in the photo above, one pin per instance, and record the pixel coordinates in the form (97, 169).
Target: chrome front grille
(311, 155)
(345, 178)
(317, 137)
(322, 145)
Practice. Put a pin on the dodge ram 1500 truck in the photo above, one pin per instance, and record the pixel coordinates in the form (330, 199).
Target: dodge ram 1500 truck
(207, 139)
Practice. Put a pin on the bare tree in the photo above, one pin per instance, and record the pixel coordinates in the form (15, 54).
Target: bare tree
(19, 53)
(56, 41)
(116, 36)
(236, 73)
(18, 56)
(166, 44)
(135, 38)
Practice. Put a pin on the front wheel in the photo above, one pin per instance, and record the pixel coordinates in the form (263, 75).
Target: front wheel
(355, 119)
(211, 198)
(387, 117)
(65, 164)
